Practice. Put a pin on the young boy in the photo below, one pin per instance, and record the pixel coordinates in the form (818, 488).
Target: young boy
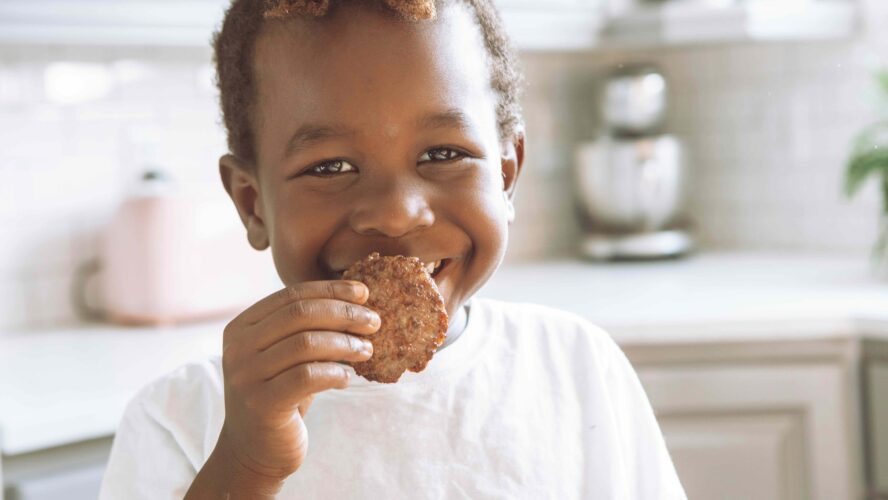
(389, 126)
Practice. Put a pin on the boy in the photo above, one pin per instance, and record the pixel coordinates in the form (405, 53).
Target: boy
(361, 126)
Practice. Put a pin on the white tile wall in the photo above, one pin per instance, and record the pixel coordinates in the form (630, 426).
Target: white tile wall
(767, 127)
(68, 153)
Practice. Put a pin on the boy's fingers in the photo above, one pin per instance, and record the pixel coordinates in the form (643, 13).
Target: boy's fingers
(289, 389)
(314, 314)
(351, 291)
(311, 346)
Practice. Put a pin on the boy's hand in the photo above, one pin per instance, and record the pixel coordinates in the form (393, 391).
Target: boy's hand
(276, 355)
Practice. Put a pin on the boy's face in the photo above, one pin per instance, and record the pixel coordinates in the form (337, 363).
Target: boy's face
(376, 134)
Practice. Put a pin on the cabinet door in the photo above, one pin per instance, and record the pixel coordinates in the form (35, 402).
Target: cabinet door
(877, 420)
(763, 432)
(736, 456)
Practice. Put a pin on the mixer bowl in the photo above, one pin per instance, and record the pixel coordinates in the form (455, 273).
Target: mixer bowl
(631, 185)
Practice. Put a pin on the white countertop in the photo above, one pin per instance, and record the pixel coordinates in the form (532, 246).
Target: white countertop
(72, 384)
(709, 297)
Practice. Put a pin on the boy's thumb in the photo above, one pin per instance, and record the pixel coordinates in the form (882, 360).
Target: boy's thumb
(304, 404)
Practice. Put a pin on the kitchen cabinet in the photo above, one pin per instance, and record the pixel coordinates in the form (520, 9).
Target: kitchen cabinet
(68, 472)
(875, 416)
(772, 420)
(533, 25)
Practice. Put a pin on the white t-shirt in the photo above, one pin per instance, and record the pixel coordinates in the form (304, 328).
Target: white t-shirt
(529, 402)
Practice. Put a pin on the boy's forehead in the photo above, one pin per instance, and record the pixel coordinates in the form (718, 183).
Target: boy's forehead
(358, 23)
(359, 60)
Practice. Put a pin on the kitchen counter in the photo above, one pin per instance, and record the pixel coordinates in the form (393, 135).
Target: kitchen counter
(709, 297)
(72, 384)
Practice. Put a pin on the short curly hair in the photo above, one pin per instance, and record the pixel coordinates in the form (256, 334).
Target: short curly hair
(234, 46)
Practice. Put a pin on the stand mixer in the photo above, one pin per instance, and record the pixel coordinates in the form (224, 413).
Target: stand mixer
(631, 180)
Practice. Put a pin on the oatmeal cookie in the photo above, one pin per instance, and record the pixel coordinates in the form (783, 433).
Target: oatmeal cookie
(414, 318)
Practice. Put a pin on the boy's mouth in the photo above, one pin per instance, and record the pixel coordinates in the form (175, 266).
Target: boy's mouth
(435, 267)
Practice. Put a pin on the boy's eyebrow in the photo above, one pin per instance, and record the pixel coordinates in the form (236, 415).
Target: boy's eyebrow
(313, 133)
(450, 118)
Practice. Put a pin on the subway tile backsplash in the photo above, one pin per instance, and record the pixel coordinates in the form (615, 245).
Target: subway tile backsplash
(767, 128)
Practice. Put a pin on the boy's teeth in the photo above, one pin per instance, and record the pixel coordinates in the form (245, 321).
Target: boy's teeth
(431, 266)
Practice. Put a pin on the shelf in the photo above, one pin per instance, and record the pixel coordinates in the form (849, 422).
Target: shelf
(687, 22)
(535, 29)
(185, 23)
(540, 25)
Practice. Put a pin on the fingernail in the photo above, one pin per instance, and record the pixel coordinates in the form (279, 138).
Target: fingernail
(374, 319)
(367, 348)
(358, 344)
(359, 290)
(346, 289)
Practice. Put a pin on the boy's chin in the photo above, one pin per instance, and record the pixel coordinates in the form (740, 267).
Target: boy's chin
(454, 289)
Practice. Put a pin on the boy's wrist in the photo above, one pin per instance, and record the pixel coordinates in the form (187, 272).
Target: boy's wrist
(226, 477)
(243, 479)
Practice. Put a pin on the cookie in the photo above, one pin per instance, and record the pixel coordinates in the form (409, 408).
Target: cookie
(414, 318)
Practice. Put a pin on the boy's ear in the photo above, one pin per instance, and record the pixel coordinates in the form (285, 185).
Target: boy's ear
(511, 161)
(242, 186)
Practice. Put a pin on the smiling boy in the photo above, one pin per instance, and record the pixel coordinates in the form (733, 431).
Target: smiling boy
(388, 126)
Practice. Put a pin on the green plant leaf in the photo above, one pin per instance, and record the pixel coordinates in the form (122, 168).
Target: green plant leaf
(869, 155)
(882, 78)
(862, 166)
(885, 195)
(872, 137)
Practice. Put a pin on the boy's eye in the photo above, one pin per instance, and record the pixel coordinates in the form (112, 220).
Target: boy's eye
(440, 154)
(331, 167)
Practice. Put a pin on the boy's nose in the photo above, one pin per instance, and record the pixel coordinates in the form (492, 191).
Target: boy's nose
(393, 210)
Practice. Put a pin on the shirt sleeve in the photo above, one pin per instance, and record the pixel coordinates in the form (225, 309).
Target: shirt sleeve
(646, 459)
(146, 461)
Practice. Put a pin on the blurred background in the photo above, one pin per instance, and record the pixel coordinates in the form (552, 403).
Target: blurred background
(687, 185)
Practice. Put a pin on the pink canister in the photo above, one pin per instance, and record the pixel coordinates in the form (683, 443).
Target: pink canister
(171, 255)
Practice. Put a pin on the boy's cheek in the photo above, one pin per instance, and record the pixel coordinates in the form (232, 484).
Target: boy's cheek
(296, 258)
